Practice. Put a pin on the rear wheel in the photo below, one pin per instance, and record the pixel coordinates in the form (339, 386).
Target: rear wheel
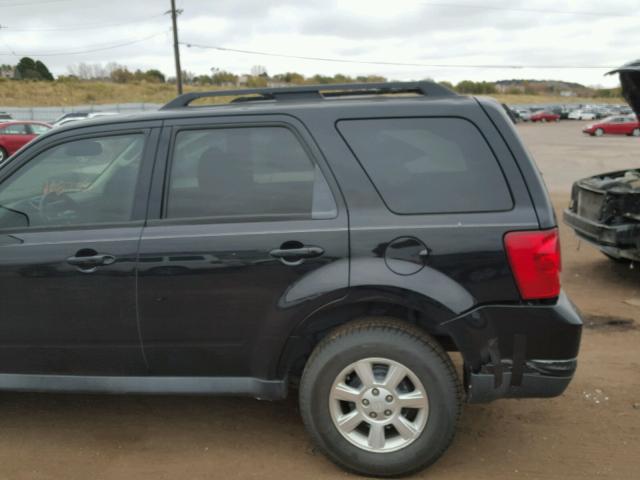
(380, 397)
(3, 155)
(598, 132)
(636, 132)
(543, 120)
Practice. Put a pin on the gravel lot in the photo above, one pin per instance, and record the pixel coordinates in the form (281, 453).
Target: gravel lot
(593, 431)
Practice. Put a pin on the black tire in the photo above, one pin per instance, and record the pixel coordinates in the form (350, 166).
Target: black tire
(398, 341)
(3, 155)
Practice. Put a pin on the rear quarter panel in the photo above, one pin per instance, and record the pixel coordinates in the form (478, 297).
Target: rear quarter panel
(467, 264)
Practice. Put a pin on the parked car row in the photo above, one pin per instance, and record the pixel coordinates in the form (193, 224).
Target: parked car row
(536, 113)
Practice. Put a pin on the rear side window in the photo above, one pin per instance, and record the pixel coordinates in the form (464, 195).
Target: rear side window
(256, 172)
(428, 165)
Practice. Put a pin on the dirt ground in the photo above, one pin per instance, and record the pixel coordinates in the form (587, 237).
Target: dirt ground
(591, 432)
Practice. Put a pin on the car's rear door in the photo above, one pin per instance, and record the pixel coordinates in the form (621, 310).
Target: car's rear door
(247, 234)
(71, 215)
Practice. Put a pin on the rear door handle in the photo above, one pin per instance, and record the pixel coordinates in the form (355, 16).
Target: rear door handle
(301, 252)
(92, 261)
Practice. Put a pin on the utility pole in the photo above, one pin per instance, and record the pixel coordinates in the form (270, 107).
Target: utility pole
(176, 45)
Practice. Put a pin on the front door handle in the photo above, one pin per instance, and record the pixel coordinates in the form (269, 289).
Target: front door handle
(301, 252)
(90, 262)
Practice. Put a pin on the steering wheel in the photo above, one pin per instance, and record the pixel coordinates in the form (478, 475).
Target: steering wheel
(52, 204)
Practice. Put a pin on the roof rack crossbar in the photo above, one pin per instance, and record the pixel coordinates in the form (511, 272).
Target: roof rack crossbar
(316, 92)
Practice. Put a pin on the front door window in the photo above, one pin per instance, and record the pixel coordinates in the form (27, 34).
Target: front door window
(88, 181)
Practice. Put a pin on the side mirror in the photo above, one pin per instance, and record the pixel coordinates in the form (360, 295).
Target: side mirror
(10, 218)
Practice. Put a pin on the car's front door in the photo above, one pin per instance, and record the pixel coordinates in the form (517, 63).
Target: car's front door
(250, 237)
(614, 126)
(71, 215)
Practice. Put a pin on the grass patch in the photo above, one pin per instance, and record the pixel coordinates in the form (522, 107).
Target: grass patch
(61, 94)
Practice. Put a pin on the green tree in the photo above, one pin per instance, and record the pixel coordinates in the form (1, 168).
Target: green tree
(26, 69)
(223, 77)
(469, 86)
(340, 78)
(202, 80)
(371, 79)
(290, 77)
(256, 81)
(121, 75)
(320, 79)
(43, 71)
(154, 75)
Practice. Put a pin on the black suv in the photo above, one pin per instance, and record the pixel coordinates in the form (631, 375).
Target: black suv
(339, 238)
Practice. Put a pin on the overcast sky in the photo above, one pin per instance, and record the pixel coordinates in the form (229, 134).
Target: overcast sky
(429, 33)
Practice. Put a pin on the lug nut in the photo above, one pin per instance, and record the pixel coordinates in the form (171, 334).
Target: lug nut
(387, 412)
(375, 391)
(373, 414)
(389, 398)
(365, 402)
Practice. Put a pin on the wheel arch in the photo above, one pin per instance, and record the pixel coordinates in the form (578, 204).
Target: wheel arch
(366, 301)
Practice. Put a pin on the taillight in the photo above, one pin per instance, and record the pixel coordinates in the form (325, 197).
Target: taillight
(535, 261)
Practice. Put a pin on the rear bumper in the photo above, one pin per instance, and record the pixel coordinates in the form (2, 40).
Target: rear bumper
(535, 382)
(518, 350)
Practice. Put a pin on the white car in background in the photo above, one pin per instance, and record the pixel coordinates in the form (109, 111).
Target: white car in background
(582, 115)
(89, 116)
(523, 114)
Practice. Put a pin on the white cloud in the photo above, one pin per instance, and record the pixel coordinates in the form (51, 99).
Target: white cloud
(427, 32)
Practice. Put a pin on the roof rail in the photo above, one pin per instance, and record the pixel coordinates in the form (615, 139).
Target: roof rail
(315, 92)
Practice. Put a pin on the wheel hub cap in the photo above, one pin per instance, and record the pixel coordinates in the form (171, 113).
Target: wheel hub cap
(379, 405)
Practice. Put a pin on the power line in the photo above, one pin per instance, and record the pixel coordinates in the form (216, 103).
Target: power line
(89, 50)
(26, 4)
(84, 26)
(528, 10)
(397, 64)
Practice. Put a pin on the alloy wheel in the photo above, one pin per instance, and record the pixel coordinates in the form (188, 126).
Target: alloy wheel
(379, 405)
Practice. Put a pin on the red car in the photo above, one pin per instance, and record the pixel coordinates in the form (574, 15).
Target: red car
(15, 134)
(616, 125)
(545, 117)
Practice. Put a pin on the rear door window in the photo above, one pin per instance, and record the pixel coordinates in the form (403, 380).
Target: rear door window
(260, 173)
(428, 165)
